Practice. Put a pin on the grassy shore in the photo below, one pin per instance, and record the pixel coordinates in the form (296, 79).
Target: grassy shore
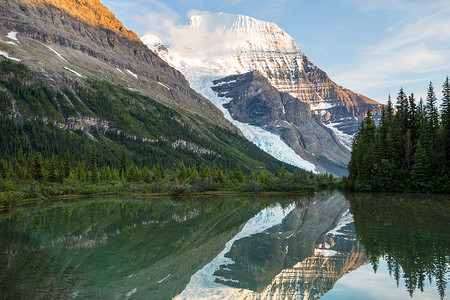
(23, 192)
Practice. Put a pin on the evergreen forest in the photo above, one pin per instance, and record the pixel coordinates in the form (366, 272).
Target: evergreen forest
(409, 151)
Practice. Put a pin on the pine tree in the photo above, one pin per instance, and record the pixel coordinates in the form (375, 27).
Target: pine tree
(21, 169)
(220, 178)
(131, 173)
(193, 176)
(162, 171)
(203, 174)
(432, 118)
(421, 168)
(67, 165)
(93, 158)
(413, 121)
(53, 173)
(361, 165)
(182, 172)
(94, 174)
(37, 168)
(445, 119)
(402, 109)
(389, 110)
(10, 186)
(123, 162)
(283, 172)
(408, 146)
(238, 175)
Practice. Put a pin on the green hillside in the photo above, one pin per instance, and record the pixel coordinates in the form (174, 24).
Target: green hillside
(41, 117)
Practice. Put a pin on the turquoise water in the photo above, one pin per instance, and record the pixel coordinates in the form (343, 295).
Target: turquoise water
(329, 245)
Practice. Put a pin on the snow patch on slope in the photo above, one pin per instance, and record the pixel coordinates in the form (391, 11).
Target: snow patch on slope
(59, 55)
(133, 74)
(74, 72)
(12, 35)
(6, 55)
(344, 138)
(162, 84)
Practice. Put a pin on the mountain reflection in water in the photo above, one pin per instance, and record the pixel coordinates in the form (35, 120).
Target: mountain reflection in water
(227, 247)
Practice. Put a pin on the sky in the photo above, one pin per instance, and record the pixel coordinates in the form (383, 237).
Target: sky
(372, 47)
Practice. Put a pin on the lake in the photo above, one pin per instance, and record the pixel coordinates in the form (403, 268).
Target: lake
(327, 245)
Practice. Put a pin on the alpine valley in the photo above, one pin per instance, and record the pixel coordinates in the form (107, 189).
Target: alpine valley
(73, 73)
(72, 76)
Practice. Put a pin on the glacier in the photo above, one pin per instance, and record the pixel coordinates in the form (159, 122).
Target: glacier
(265, 140)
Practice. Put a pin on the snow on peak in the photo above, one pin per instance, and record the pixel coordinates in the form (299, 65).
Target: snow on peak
(152, 41)
(237, 24)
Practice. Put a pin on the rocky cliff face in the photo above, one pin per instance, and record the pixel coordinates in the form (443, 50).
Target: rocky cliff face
(73, 40)
(255, 101)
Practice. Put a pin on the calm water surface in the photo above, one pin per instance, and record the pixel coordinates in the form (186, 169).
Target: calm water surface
(327, 245)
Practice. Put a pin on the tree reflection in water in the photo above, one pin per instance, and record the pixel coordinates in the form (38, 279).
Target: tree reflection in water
(411, 232)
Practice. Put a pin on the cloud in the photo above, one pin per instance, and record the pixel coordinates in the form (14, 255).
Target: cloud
(151, 15)
(209, 35)
(417, 44)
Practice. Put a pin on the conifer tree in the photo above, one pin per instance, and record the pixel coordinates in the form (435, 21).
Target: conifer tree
(445, 119)
(413, 121)
(432, 118)
(193, 176)
(123, 162)
(53, 173)
(21, 168)
(283, 172)
(220, 178)
(389, 110)
(131, 173)
(182, 172)
(156, 173)
(93, 158)
(203, 174)
(37, 167)
(162, 171)
(94, 174)
(67, 165)
(421, 168)
(238, 175)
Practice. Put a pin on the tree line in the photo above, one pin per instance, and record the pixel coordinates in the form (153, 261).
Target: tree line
(36, 176)
(409, 149)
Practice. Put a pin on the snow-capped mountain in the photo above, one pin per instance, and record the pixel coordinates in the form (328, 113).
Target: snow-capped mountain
(213, 46)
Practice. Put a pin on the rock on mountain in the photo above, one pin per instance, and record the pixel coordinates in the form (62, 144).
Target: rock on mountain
(256, 102)
(220, 45)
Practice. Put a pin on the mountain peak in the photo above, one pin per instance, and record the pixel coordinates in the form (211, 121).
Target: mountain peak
(236, 24)
(90, 11)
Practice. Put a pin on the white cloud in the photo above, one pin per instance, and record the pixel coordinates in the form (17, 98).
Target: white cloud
(417, 44)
